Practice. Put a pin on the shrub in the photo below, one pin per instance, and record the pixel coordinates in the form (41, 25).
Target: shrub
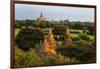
(82, 54)
(20, 56)
(33, 57)
(91, 30)
(84, 37)
(28, 38)
(82, 43)
(59, 59)
(75, 32)
(75, 38)
(49, 59)
(26, 58)
(88, 54)
(59, 30)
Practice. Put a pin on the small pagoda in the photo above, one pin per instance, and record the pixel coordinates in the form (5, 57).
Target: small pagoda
(45, 47)
(67, 38)
(49, 44)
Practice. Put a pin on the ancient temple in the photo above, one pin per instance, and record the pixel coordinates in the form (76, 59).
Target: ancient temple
(41, 18)
(49, 44)
(45, 46)
(67, 38)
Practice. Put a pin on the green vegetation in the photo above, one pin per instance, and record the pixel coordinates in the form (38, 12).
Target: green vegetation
(29, 35)
(24, 58)
(47, 30)
(28, 38)
(82, 54)
(32, 57)
(17, 30)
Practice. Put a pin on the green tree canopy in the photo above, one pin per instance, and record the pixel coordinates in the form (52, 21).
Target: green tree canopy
(28, 38)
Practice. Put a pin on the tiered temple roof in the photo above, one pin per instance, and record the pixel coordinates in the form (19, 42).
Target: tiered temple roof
(45, 46)
(41, 18)
(50, 38)
(49, 44)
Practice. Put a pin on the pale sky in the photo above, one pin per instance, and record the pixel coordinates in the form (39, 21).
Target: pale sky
(26, 11)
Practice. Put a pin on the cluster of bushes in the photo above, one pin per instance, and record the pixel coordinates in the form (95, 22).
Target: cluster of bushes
(31, 57)
(26, 57)
(65, 55)
(81, 37)
(82, 53)
(84, 37)
(75, 38)
(28, 38)
(28, 43)
(75, 32)
(46, 24)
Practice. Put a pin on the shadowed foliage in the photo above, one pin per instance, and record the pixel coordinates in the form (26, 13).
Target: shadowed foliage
(27, 38)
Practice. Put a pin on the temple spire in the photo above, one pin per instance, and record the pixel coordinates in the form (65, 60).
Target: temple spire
(41, 15)
(50, 37)
(67, 38)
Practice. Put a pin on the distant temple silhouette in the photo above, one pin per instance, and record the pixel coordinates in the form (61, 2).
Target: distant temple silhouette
(41, 18)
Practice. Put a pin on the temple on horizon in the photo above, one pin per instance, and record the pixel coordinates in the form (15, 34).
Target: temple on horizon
(41, 18)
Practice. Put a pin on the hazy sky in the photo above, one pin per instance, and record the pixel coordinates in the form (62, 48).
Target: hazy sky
(24, 11)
